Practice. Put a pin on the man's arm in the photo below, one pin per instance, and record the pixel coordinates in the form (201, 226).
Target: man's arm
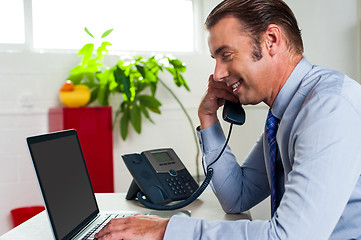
(238, 188)
(231, 183)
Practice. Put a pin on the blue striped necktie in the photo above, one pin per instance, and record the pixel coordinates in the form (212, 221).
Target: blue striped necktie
(271, 130)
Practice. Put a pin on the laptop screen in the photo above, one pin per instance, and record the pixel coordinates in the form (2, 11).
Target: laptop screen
(64, 181)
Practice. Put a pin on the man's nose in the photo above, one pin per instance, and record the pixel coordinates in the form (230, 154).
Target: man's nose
(220, 72)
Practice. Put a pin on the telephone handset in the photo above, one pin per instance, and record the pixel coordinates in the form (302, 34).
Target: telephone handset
(161, 176)
(234, 113)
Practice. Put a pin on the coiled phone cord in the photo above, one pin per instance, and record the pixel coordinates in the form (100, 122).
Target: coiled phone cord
(196, 194)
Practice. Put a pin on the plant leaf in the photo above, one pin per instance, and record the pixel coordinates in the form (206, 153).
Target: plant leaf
(119, 110)
(103, 77)
(93, 94)
(153, 87)
(86, 51)
(136, 118)
(107, 32)
(149, 101)
(124, 81)
(182, 81)
(146, 113)
(101, 49)
(155, 110)
(171, 70)
(141, 70)
(178, 78)
(124, 123)
(76, 78)
(87, 31)
(90, 77)
(103, 95)
(177, 64)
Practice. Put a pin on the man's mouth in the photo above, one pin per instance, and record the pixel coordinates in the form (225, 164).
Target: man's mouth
(236, 85)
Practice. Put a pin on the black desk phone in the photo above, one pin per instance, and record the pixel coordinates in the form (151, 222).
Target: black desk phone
(163, 178)
(160, 175)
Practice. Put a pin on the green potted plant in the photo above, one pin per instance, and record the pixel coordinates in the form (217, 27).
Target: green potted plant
(136, 79)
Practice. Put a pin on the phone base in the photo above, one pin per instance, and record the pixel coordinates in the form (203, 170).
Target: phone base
(132, 191)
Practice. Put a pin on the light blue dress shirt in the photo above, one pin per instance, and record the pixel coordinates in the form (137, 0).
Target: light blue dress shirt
(319, 139)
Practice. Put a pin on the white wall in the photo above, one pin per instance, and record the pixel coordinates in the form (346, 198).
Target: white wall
(29, 83)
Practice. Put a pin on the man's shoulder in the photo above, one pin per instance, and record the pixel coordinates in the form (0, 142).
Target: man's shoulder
(323, 90)
(322, 81)
(331, 89)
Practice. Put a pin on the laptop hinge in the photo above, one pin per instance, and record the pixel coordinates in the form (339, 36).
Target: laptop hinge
(84, 229)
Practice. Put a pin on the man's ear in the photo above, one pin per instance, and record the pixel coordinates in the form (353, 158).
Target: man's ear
(272, 37)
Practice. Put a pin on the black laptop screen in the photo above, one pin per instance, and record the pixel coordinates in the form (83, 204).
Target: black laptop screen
(64, 180)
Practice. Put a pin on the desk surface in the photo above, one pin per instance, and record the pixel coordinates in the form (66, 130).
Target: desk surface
(38, 227)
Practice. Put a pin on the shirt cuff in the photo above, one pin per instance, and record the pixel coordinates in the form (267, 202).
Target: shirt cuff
(180, 227)
(211, 138)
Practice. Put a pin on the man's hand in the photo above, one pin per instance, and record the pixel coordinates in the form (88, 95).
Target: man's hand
(215, 97)
(134, 227)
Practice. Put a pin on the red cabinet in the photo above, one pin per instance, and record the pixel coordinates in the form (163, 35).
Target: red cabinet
(94, 127)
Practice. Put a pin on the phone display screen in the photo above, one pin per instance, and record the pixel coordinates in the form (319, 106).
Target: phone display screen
(162, 157)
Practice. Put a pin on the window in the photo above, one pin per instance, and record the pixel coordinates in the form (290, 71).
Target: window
(139, 25)
(12, 12)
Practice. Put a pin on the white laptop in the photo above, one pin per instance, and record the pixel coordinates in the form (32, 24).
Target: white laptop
(66, 188)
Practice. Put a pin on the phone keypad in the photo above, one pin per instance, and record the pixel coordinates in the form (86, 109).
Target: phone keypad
(181, 185)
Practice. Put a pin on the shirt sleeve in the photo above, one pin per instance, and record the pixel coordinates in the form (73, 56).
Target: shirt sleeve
(180, 228)
(238, 188)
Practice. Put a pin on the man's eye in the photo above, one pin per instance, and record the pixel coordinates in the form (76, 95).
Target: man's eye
(226, 55)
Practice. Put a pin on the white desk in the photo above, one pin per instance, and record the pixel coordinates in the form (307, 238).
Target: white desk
(38, 227)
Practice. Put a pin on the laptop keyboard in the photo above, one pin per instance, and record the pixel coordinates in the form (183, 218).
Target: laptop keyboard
(99, 226)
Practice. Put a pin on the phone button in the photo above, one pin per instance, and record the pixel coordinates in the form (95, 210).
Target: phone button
(172, 172)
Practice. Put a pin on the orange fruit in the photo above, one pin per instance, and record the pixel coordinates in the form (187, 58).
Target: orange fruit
(67, 86)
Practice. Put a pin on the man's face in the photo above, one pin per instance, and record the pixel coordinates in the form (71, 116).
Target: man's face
(250, 79)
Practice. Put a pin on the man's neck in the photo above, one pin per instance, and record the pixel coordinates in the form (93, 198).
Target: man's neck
(285, 69)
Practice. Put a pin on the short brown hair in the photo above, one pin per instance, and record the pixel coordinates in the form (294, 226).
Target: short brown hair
(256, 16)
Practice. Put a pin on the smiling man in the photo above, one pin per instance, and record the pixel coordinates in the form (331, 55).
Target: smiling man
(309, 157)
(243, 64)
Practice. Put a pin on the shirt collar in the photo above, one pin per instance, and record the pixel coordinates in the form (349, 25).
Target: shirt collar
(290, 87)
